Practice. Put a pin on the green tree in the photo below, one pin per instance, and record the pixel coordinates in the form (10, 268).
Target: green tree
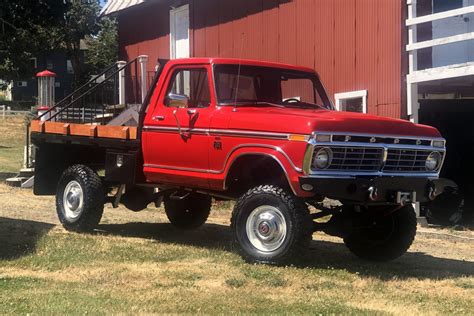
(102, 49)
(80, 21)
(27, 27)
(30, 27)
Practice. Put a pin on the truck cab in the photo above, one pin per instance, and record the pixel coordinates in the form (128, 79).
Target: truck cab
(263, 134)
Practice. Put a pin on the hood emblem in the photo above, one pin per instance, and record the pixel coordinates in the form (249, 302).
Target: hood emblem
(396, 141)
(348, 138)
(373, 140)
(418, 142)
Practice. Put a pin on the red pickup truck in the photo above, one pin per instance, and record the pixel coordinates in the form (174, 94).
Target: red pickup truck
(263, 134)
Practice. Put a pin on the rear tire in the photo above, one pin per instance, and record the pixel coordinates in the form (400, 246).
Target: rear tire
(80, 199)
(271, 226)
(190, 212)
(383, 238)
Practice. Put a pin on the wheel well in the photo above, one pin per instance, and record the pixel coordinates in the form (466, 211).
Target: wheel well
(251, 170)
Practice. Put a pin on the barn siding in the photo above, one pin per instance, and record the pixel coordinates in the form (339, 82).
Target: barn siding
(353, 44)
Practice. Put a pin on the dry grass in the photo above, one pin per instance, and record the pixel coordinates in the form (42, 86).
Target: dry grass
(12, 138)
(138, 263)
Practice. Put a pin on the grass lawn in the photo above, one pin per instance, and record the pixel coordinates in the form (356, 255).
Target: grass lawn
(12, 140)
(139, 263)
(71, 273)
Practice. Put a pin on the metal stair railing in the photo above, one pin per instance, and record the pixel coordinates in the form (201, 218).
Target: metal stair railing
(97, 100)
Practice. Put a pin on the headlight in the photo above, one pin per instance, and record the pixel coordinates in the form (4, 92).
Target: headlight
(322, 158)
(433, 161)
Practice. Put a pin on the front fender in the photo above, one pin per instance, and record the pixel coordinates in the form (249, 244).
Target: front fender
(293, 170)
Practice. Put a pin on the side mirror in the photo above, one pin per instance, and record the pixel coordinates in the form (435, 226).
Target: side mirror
(177, 100)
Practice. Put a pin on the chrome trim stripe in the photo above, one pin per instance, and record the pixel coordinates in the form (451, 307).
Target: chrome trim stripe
(223, 132)
(247, 133)
(164, 129)
(181, 168)
(278, 149)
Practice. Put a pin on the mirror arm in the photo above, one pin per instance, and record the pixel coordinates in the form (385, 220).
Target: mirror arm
(177, 122)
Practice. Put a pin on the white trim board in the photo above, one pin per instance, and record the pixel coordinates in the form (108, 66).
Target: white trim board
(441, 41)
(352, 95)
(440, 16)
(173, 13)
(439, 73)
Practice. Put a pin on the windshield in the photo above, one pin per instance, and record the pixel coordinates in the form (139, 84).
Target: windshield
(265, 86)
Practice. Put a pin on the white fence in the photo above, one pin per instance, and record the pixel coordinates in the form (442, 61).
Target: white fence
(6, 111)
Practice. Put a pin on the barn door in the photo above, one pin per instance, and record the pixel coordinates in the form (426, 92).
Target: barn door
(179, 26)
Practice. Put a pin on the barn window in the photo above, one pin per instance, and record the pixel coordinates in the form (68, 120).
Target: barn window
(355, 101)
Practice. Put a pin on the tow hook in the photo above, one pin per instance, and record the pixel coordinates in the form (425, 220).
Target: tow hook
(432, 193)
(373, 194)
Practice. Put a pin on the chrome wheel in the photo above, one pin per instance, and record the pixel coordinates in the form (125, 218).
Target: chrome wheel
(73, 200)
(266, 228)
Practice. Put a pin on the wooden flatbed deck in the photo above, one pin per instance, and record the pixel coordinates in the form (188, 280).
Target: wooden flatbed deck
(95, 131)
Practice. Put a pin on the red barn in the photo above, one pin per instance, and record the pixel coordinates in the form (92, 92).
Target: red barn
(357, 46)
(410, 59)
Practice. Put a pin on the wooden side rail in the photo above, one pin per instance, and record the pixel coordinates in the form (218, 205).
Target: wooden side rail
(70, 129)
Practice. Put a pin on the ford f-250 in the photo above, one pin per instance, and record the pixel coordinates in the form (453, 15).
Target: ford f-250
(263, 134)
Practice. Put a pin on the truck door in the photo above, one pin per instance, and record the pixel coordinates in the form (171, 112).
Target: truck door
(176, 136)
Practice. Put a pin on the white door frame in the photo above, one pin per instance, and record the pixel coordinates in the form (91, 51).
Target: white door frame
(173, 13)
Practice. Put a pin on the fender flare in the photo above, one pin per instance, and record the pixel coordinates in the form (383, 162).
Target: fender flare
(291, 171)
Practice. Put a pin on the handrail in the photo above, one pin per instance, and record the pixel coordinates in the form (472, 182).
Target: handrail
(78, 89)
(93, 88)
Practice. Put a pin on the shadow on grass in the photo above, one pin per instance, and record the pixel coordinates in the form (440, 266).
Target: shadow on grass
(5, 175)
(19, 237)
(324, 255)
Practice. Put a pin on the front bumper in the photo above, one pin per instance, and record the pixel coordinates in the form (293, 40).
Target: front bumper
(374, 190)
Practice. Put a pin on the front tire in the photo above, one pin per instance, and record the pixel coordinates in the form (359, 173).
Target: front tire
(80, 199)
(271, 225)
(383, 237)
(190, 212)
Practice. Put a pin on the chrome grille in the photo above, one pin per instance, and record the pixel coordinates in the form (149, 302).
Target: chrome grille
(406, 160)
(355, 158)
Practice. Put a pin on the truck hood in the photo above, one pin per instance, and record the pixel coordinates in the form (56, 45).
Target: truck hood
(303, 121)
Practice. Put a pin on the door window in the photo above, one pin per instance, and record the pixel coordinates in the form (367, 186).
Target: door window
(192, 84)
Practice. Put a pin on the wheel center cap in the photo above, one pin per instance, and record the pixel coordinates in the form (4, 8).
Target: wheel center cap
(264, 228)
(73, 200)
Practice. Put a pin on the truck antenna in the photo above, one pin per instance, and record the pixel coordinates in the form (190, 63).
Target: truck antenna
(238, 71)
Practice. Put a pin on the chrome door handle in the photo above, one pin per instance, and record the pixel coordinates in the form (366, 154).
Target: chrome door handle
(159, 117)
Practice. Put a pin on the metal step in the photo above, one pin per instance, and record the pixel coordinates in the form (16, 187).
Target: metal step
(27, 172)
(20, 182)
(15, 182)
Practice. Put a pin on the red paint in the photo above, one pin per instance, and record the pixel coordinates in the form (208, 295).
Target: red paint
(193, 161)
(353, 44)
(46, 73)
